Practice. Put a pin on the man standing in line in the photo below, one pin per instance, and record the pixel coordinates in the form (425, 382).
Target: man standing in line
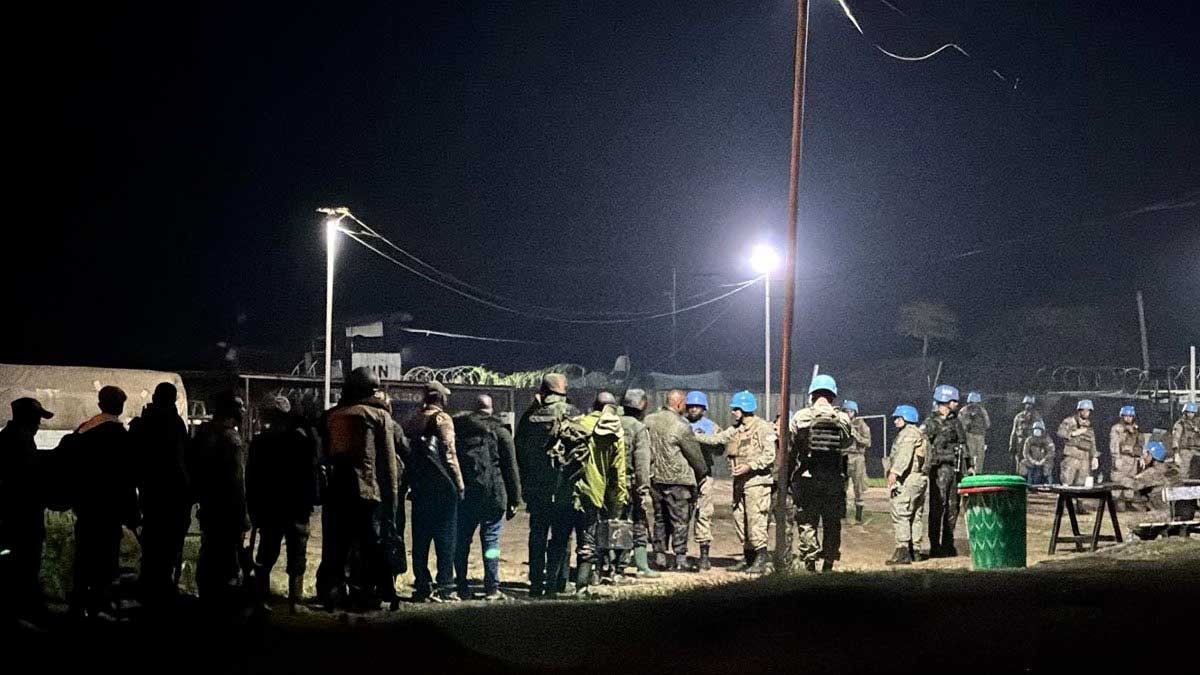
(906, 483)
(23, 475)
(948, 461)
(856, 457)
(697, 409)
(639, 470)
(678, 468)
(1022, 428)
(976, 422)
(1124, 451)
(821, 435)
(1079, 448)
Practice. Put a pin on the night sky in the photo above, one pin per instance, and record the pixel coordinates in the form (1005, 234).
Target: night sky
(569, 154)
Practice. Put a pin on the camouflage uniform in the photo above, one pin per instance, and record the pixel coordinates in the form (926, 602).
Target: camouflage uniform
(1079, 451)
(820, 436)
(1022, 428)
(976, 421)
(1185, 442)
(1038, 455)
(908, 493)
(1123, 454)
(702, 529)
(947, 439)
(856, 461)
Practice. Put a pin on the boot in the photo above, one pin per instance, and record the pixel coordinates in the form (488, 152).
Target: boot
(660, 560)
(583, 577)
(295, 591)
(900, 557)
(746, 563)
(704, 564)
(810, 566)
(827, 566)
(915, 554)
(680, 563)
(760, 562)
(643, 565)
(858, 515)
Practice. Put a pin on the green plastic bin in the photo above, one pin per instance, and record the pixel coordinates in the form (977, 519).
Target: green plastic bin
(995, 520)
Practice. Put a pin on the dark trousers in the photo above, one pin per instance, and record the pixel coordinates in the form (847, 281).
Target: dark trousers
(97, 558)
(164, 528)
(549, 537)
(1037, 476)
(434, 521)
(218, 567)
(943, 505)
(353, 538)
(272, 534)
(23, 534)
(819, 502)
(585, 524)
(672, 514)
(490, 523)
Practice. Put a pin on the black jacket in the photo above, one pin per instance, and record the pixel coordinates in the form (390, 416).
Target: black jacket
(281, 475)
(99, 458)
(160, 439)
(22, 501)
(541, 484)
(488, 459)
(216, 463)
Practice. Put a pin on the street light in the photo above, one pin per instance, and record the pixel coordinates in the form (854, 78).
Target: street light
(332, 226)
(765, 260)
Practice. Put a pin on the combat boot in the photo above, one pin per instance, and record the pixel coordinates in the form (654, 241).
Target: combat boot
(746, 563)
(827, 566)
(810, 566)
(900, 557)
(704, 564)
(760, 563)
(295, 592)
(858, 515)
(643, 564)
(680, 563)
(583, 578)
(660, 560)
(915, 554)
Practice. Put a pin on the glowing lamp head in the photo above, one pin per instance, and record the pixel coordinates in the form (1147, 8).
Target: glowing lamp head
(764, 259)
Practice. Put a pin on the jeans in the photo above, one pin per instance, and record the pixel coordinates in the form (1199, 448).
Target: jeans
(434, 521)
(490, 525)
(549, 537)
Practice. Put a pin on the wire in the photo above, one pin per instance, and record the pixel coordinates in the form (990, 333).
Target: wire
(543, 317)
(427, 333)
(948, 45)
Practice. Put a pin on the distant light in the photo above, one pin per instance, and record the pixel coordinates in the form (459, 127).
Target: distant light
(764, 259)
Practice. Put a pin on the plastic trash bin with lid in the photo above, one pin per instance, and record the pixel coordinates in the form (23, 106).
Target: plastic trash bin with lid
(995, 520)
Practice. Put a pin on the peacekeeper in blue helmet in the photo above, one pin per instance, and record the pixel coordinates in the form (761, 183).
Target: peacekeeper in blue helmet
(821, 435)
(1159, 470)
(1022, 428)
(702, 426)
(948, 461)
(1124, 453)
(906, 485)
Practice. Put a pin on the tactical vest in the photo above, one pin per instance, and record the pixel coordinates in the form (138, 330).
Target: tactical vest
(822, 455)
(945, 437)
(1190, 438)
(1128, 441)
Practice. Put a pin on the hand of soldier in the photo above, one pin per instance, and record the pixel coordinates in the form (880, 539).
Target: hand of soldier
(739, 469)
(891, 479)
(511, 512)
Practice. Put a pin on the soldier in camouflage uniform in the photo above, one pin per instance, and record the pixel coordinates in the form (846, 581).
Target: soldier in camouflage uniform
(1160, 472)
(1022, 428)
(948, 461)
(1039, 454)
(1185, 441)
(1079, 453)
(821, 435)
(639, 470)
(856, 457)
(1124, 452)
(976, 421)
(907, 484)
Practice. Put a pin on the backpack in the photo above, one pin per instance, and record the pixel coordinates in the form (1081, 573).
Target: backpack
(568, 448)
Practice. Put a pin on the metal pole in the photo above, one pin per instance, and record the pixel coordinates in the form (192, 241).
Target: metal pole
(1192, 386)
(1142, 327)
(331, 231)
(782, 548)
(767, 346)
(674, 296)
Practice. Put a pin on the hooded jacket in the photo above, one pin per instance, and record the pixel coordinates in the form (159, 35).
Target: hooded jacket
(601, 483)
(541, 486)
(488, 461)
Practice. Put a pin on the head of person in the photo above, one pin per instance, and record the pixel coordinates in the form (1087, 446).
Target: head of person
(165, 395)
(603, 400)
(904, 415)
(974, 397)
(851, 408)
(822, 387)
(1028, 401)
(634, 401)
(362, 382)
(28, 413)
(1084, 409)
(228, 407)
(112, 400)
(697, 405)
(946, 398)
(1189, 410)
(277, 411)
(742, 405)
(1128, 413)
(437, 394)
(553, 383)
(1039, 428)
(483, 404)
(677, 400)
(1154, 451)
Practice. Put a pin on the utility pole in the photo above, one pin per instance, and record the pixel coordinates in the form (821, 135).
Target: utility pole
(1192, 372)
(1142, 327)
(782, 549)
(674, 300)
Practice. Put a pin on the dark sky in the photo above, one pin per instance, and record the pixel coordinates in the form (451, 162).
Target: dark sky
(569, 154)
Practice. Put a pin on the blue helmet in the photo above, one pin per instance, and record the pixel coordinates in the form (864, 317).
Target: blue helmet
(697, 398)
(1028, 400)
(1085, 404)
(945, 393)
(1189, 407)
(1128, 410)
(745, 401)
(906, 413)
(1157, 450)
(850, 405)
(974, 397)
(825, 382)
(1039, 427)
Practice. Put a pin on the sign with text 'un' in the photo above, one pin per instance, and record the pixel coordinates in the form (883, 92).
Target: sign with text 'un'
(386, 366)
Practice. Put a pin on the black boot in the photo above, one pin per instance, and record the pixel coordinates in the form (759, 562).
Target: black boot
(583, 577)
(858, 515)
(900, 557)
(295, 592)
(827, 566)
(660, 560)
(810, 565)
(680, 563)
(704, 563)
(915, 554)
(760, 562)
(746, 563)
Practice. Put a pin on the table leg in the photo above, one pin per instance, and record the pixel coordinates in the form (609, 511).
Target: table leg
(1074, 525)
(1100, 505)
(1112, 511)
(1058, 513)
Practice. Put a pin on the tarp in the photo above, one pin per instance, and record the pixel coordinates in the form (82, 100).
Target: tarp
(714, 381)
(70, 392)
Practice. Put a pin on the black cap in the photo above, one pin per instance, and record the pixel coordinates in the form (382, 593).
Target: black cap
(28, 407)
